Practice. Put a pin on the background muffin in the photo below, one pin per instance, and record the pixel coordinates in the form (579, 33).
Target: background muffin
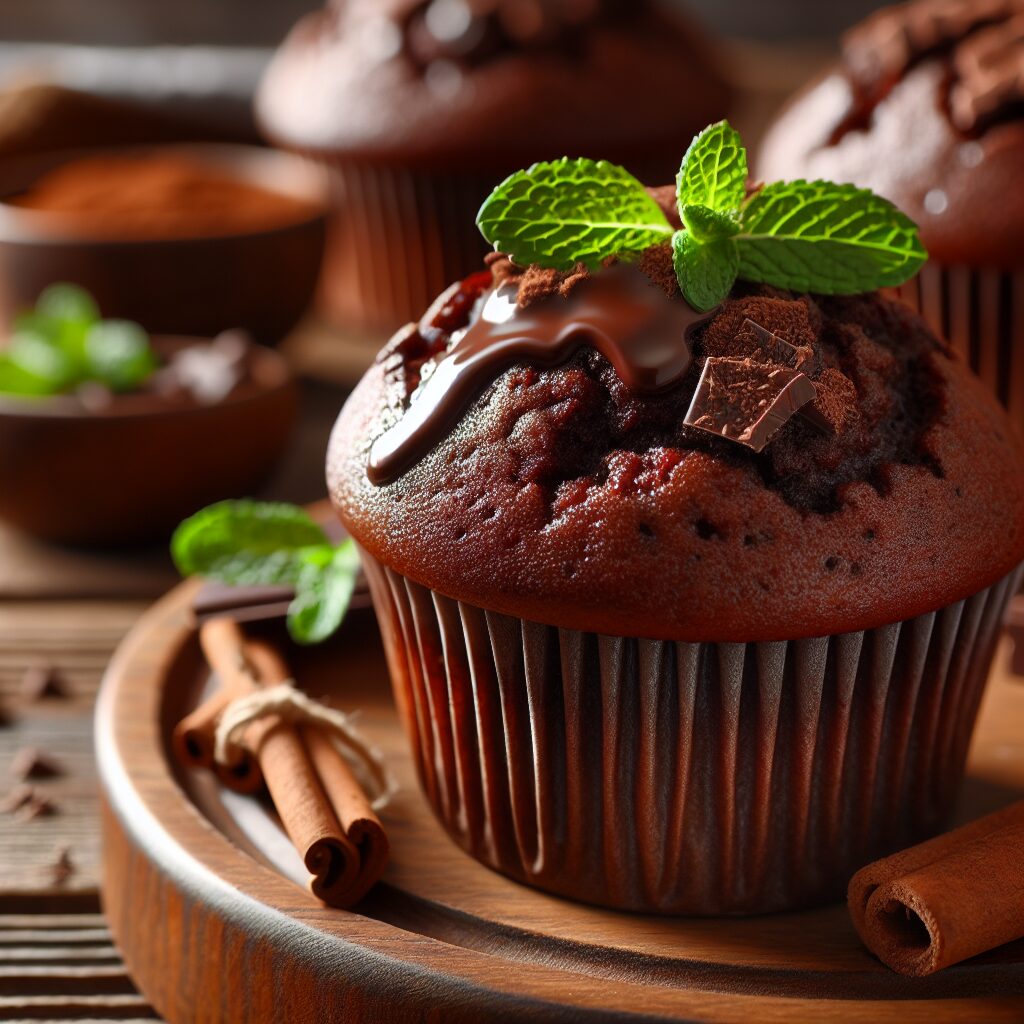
(419, 107)
(646, 666)
(925, 109)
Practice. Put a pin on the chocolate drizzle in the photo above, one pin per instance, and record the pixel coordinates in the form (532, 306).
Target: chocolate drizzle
(644, 334)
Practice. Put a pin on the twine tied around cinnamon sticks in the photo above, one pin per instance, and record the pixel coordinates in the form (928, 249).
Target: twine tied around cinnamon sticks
(258, 729)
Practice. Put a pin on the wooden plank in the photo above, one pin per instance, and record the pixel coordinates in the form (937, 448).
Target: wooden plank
(124, 1007)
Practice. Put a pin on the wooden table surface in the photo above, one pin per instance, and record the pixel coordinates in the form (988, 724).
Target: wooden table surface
(68, 610)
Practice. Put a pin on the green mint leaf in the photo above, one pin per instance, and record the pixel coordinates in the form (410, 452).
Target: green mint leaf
(322, 596)
(566, 212)
(714, 170)
(67, 302)
(706, 270)
(43, 359)
(117, 352)
(249, 542)
(16, 380)
(821, 237)
(707, 225)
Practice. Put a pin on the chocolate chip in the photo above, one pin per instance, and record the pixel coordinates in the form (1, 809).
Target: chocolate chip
(37, 806)
(41, 682)
(63, 867)
(32, 763)
(16, 798)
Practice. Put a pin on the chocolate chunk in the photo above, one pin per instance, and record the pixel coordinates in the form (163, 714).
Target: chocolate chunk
(63, 866)
(37, 806)
(41, 682)
(243, 604)
(16, 798)
(32, 763)
(746, 401)
(773, 349)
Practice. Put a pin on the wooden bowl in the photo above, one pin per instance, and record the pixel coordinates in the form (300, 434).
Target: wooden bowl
(206, 899)
(262, 281)
(129, 473)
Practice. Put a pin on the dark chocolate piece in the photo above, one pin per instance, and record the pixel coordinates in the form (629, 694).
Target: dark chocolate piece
(32, 763)
(43, 681)
(258, 604)
(16, 798)
(643, 333)
(37, 806)
(63, 866)
(774, 349)
(243, 604)
(746, 401)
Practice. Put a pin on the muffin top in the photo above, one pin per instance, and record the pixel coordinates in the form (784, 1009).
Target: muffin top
(480, 81)
(564, 494)
(925, 108)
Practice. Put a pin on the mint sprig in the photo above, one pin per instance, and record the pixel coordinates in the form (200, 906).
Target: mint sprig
(804, 236)
(566, 212)
(62, 343)
(252, 543)
(713, 173)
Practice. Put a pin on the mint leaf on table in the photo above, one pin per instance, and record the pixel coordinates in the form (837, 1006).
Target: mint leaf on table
(117, 353)
(714, 170)
(247, 543)
(706, 270)
(821, 237)
(322, 596)
(567, 211)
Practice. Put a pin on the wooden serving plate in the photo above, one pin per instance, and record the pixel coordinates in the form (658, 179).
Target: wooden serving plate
(206, 900)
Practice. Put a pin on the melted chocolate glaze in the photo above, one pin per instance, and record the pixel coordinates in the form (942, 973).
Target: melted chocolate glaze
(643, 333)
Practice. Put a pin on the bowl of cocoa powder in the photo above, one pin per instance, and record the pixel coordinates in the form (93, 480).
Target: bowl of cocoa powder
(187, 239)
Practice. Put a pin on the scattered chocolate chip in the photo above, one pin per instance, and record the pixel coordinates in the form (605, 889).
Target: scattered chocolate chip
(63, 867)
(32, 763)
(746, 401)
(43, 681)
(16, 798)
(37, 806)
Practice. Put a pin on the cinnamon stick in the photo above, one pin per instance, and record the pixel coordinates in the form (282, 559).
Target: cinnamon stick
(947, 899)
(225, 647)
(321, 805)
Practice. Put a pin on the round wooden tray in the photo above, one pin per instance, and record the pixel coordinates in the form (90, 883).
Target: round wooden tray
(207, 901)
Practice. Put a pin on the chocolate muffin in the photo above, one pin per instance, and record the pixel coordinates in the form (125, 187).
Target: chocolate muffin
(669, 631)
(925, 108)
(419, 106)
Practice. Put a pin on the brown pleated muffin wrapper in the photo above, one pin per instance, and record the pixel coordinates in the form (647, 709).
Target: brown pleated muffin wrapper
(981, 312)
(397, 239)
(684, 778)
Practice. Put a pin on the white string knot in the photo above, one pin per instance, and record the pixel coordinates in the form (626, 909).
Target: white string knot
(289, 703)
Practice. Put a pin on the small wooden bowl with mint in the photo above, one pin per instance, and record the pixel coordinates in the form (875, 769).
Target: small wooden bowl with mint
(110, 437)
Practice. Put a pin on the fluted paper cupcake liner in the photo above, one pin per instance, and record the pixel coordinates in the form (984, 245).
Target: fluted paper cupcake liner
(981, 311)
(684, 778)
(398, 238)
